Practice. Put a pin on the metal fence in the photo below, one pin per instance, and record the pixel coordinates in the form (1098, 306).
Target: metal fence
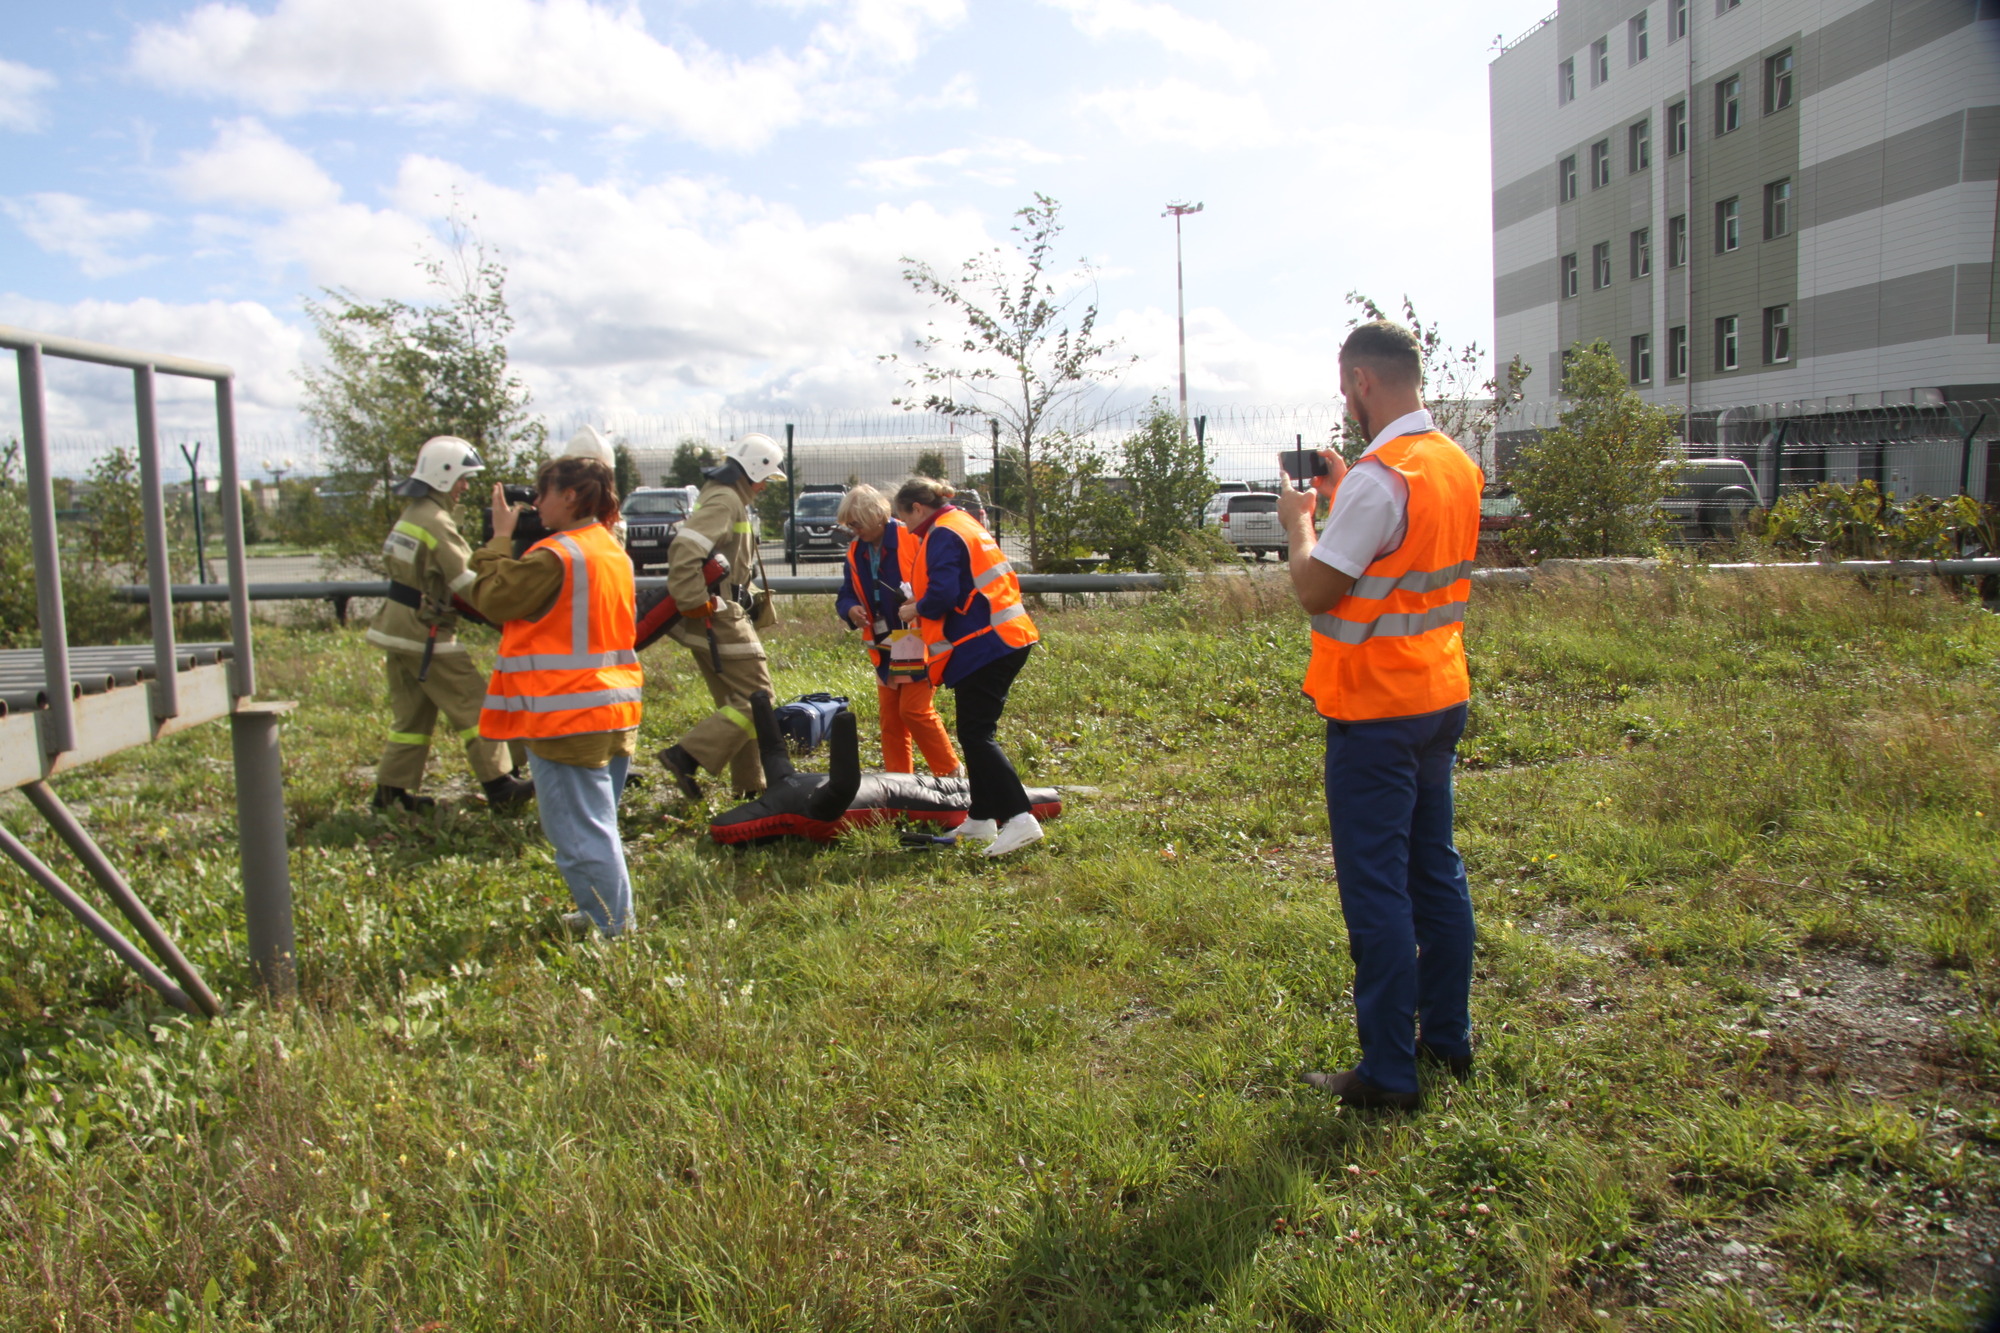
(1943, 448)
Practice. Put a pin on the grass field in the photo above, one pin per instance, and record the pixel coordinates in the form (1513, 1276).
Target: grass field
(1733, 850)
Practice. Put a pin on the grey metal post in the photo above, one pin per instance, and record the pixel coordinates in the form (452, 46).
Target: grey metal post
(59, 718)
(243, 668)
(159, 576)
(97, 925)
(260, 835)
(993, 500)
(64, 822)
(792, 486)
(1965, 457)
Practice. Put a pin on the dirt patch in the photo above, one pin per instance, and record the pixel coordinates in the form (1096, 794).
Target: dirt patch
(1856, 1027)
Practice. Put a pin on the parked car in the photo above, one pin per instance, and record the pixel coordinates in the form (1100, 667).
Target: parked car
(1248, 520)
(1232, 487)
(653, 514)
(1711, 499)
(811, 526)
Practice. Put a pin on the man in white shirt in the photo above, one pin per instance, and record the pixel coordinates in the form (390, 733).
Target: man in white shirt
(1387, 589)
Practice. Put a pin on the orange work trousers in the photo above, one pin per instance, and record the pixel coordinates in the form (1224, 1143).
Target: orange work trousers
(910, 712)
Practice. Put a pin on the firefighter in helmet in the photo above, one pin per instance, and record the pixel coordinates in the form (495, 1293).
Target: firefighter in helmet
(429, 671)
(719, 624)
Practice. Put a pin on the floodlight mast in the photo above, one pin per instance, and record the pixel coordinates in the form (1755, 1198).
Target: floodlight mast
(1177, 212)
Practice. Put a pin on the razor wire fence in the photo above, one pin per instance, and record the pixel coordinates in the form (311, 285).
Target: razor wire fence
(1911, 448)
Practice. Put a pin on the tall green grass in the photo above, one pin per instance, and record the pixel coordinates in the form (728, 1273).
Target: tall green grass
(859, 1088)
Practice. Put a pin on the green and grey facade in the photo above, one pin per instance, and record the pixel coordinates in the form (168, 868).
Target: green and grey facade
(1754, 201)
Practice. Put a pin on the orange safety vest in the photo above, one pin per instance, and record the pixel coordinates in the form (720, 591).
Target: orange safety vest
(992, 578)
(574, 670)
(906, 558)
(1394, 646)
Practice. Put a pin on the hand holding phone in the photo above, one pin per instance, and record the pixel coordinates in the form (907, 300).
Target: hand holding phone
(1302, 465)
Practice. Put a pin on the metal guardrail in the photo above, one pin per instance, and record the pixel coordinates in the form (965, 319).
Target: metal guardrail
(803, 586)
(59, 722)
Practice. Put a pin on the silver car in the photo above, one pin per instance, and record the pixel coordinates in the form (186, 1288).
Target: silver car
(1248, 520)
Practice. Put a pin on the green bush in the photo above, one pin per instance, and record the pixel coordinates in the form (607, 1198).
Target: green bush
(1593, 485)
(1863, 522)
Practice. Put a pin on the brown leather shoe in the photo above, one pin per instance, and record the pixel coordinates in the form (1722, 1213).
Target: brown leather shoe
(1356, 1091)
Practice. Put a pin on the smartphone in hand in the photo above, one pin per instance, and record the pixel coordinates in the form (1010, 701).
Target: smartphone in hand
(1302, 465)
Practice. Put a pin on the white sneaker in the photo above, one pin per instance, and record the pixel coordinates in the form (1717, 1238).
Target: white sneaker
(1015, 834)
(976, 830)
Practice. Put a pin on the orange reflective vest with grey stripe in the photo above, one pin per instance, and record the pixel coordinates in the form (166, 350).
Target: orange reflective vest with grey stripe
(992, 578)
(574, 670)
(1395, 645)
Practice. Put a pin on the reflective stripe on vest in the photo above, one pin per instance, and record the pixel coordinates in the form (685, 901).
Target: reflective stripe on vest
(1374, 587)
(1390, 626)
(571, 662)
(560, 703)
(993, 575)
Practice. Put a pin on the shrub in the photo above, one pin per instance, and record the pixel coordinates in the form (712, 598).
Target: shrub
(1863, 522)
(1593, 485)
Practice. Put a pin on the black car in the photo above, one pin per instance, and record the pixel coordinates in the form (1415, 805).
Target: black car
(812, 526)
(1710, 499)
(653, 514)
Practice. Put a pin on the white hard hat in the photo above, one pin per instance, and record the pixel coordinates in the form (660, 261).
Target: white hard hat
(759, 456)
(440, 463)
(588, 442)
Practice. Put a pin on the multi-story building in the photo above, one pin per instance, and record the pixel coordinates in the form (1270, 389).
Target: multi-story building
(1754, 201)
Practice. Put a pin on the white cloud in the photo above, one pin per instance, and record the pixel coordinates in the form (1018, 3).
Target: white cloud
(67, 224)
(568, 58)
(1179, 33)
(247, 336)
(251, 167)
(1175, 111)
(21, 87)
(990, 163)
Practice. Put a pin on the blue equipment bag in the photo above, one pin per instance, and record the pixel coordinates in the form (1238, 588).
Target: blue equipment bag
(805, 721)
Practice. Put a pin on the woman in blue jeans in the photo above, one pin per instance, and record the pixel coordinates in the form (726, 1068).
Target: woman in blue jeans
(568, 681)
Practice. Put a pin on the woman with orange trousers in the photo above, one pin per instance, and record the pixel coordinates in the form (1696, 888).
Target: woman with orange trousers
(878, 574)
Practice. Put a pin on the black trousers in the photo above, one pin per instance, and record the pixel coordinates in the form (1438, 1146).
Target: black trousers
(997, 793)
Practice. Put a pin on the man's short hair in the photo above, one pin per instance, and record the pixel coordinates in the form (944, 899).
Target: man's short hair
(1387, 348)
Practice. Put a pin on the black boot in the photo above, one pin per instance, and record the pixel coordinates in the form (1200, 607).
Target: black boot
(682, 765)
(388, 796)
(507, 793)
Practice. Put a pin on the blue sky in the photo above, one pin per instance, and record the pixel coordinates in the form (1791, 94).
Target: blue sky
(702, 204)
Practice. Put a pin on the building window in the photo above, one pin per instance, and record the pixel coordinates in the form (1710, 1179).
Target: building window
(1600, 164)
(1677, 129)
(1677, 20)
(1728, 226)
(1677, 240)
(1566, 82)
(1600, 62)
(1600, 266)
(1725, 343)
(1638, 42)
(1778, 82)
(1639, 146)
(1724, 6)
(1569, 275)
(1728, 105)
(1777, 335)
(1642, 253)
(1677, 352)
(1642, 358)
(1566, 178)
(1777, 210)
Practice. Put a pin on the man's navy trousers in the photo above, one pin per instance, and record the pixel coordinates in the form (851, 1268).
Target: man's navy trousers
(1402, 889)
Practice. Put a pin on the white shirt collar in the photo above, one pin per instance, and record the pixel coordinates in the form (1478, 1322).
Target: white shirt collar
(1410, 423)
